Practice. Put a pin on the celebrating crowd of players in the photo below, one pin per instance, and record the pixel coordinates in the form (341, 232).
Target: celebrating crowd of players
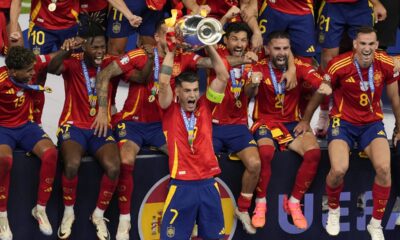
(266, 55)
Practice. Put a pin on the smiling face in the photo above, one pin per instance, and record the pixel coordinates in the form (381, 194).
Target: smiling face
(188, 94)
(95, 50)
(279, 49)
(236, 43)
(364, 48)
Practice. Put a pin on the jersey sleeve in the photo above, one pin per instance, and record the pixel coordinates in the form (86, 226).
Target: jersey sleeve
(309, 74)
(190, 60)
(387, 66)
(135, 59)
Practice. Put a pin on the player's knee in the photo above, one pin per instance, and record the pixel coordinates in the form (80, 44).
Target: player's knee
(338, 172)
(71, 169)
(383, 174)
(254, 165)
(50, 157)
(113, 171)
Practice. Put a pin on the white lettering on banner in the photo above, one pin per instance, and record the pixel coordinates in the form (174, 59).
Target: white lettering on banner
(345, 200)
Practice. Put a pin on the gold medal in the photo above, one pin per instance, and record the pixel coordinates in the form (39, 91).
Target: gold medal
(152, 98)
(92, 112)
(238, 103)
(52, 7)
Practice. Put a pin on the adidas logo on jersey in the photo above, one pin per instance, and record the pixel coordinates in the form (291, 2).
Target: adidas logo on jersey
(311, 49)
(10, 91)
(110, 138)
(382, 133)
(350, 80)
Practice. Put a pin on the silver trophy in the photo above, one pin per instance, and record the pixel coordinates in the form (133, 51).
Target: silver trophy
(194, 32)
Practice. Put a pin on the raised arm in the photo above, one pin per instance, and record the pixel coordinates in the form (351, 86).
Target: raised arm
(218, 85)
(165, 94)
(15, 34)
(251, 88)
(56, 64)
(194, 7)
(249, 13)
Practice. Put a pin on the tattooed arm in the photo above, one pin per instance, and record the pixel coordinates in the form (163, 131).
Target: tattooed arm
(101, 122)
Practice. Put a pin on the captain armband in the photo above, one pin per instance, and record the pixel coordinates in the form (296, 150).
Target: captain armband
(213, 96)
(167, 70)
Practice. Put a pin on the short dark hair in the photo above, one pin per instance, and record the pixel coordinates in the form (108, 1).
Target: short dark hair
(236, 27)
(187, 76)
(90, 27)
(278, 35)
(19, 58)
(365, 30)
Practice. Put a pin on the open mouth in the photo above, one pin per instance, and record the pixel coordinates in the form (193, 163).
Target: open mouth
(191, 104)
(238, 52)
(98, 60)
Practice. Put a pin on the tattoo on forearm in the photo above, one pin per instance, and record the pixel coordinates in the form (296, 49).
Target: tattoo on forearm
(102, 101)
(167, 70)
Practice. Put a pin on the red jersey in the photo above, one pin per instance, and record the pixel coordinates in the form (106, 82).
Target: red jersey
(233, 109)
(16, 103)
(88, 6)
(138, 106)
(185, 162)
(269, 105)
(5, 4)
(296, 7)
(352, 98)
(218, 7)
(64, 16)
(76, 109)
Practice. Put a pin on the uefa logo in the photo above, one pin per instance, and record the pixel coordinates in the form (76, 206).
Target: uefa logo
(151, 209)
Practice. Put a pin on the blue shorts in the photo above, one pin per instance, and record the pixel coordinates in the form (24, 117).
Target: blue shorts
(334, 19)
(119, 27)
(363, 135)
(232, 138)
(143, 134)
(45, 41)
(190, 202)
(85, 137)
(264, 132)
(25, 136)
(300, 28)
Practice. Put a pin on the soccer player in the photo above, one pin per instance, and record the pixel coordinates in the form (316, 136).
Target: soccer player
(336, 16)
(357, 80)
(230, 129)
(10, 31)
(276, 116)
(17, 128)
(75, 135)
(139, 123)
(228, 10)
(193, 193)
(295, 17)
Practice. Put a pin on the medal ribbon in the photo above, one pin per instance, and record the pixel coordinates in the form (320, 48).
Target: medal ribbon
(279, 88)
(236, 85)
(90, 86)
(189, 124)
(370, 81)
(154, 89)
(30, 86)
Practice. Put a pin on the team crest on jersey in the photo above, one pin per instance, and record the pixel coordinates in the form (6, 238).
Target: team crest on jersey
(321, 37)
(262, 131)
(170, 232)
(36, 50)
(151, 210)
(116, 28)
(306, 85)
(378, 78)
(122, 133)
